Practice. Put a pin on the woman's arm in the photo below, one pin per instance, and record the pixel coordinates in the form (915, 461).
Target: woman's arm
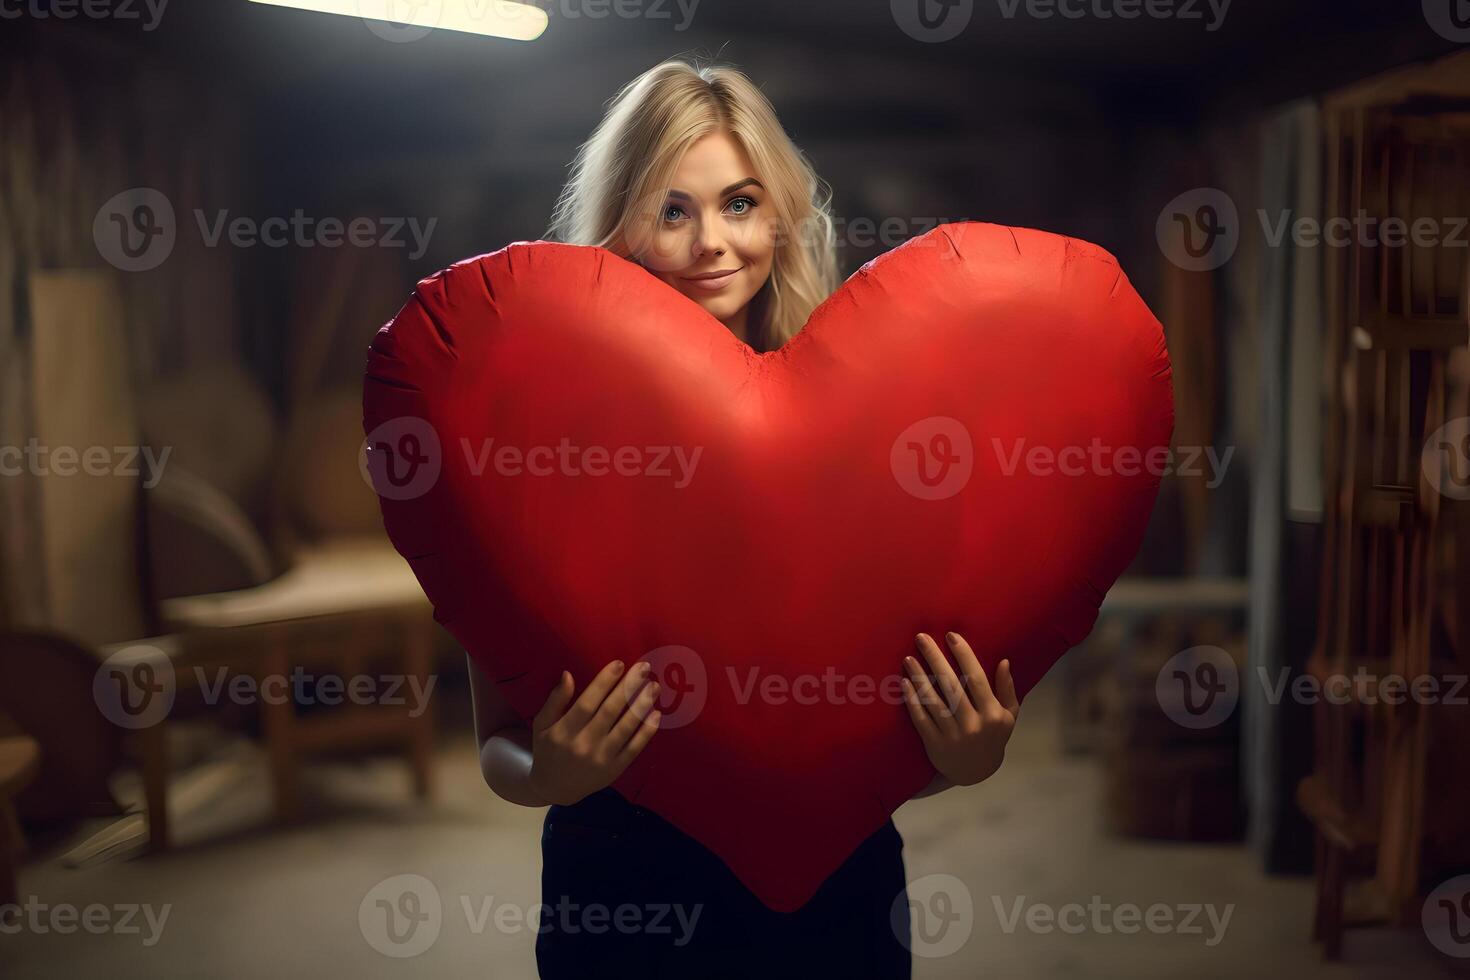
(504, 741)
(936, 785)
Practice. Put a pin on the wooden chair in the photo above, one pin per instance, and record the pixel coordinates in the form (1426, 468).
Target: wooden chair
(340, 604)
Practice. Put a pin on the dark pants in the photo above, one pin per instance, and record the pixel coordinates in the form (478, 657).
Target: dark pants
(626, 894)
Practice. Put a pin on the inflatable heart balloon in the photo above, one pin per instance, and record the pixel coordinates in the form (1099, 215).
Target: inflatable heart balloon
(582, 465)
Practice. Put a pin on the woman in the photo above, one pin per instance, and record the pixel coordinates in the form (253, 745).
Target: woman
(691, 175)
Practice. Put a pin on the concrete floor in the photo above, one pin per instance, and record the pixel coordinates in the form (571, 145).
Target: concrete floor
(245, 900)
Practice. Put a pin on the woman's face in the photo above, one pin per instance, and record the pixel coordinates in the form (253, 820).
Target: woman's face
(715, 236)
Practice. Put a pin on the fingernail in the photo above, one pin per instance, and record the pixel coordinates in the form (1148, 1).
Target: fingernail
(617, 666)
(911, 663)
(919, 640)
(951, 637)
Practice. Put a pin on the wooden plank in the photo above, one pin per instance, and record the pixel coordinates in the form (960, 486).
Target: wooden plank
(1391, 332)
(1448, 77)
(1148, 597)
(83, 398)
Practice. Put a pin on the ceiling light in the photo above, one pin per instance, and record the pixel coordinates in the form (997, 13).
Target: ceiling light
(410, 18)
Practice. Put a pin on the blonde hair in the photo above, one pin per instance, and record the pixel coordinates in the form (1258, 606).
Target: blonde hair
(621, 175)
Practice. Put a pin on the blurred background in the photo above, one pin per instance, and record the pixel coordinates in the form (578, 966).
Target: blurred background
(207, 209)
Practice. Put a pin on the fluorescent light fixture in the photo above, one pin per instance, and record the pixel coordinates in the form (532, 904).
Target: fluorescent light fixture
(407, 19)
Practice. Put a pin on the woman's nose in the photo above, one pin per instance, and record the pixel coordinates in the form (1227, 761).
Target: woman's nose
(710, 240)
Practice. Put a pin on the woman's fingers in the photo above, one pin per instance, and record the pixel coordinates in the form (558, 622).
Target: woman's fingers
(917, 714)
(975, 674)
(618, 698)
(979, 682)
(934, 705)
(556, 703)
(1006, 689)
(638, 710)
(592, 697)
(964, 657)
(945, 678)
(640, 738)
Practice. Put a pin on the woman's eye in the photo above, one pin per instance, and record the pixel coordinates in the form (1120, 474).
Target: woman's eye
(741, 205)
(673, 212)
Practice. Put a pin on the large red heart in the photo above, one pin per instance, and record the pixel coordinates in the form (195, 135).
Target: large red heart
(968, 435)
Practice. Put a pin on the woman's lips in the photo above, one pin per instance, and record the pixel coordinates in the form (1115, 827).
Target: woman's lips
(713, 284)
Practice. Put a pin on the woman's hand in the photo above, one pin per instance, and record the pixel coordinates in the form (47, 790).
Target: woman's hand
(581, 751)
(964, 732)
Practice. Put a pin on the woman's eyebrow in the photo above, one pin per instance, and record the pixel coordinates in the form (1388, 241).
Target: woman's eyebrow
(747, 182)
